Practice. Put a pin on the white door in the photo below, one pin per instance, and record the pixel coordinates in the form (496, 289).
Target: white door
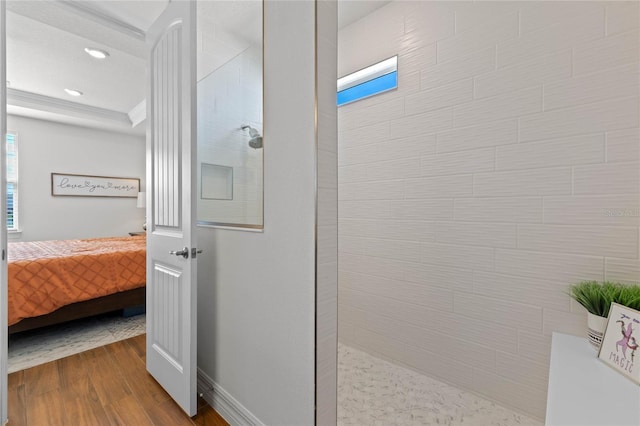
(3, 221)
(171, 253)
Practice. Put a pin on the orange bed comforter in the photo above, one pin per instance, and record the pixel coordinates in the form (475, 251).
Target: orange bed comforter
(46, 275)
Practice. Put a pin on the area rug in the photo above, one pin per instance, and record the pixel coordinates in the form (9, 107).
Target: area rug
(31, 348)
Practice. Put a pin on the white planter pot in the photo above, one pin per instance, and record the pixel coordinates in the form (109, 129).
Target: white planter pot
(596, 326)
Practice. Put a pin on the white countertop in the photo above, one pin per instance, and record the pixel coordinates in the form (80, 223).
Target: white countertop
(585, 391)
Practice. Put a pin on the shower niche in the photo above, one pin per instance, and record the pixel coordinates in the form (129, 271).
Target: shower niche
(229, 107)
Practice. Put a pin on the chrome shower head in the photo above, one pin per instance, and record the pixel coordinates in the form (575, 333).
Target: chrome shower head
(256, 139)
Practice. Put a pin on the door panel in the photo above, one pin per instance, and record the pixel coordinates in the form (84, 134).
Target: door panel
(171, 264)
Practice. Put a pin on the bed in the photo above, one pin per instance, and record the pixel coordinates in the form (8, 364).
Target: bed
(55, 281)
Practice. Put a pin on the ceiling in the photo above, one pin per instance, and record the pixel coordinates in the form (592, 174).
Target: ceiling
(45, 54)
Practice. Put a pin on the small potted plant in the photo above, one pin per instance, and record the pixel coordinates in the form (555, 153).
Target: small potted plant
(597, 298)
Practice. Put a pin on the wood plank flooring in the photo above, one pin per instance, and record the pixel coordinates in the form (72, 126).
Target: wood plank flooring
(107, 386)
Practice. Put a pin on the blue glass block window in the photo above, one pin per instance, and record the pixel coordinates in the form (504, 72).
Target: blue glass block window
(375, 79)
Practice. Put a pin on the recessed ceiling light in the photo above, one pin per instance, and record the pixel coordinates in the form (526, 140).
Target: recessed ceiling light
(96, 53)
(73, 92)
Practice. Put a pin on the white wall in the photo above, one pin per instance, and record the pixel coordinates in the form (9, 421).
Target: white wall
(504, 168)
(46, 147)
(256, 290)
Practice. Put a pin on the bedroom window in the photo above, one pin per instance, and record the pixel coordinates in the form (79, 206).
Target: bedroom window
(12, 183)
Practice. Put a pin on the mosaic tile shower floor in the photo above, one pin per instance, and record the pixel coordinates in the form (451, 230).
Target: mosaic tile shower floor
(374, 392)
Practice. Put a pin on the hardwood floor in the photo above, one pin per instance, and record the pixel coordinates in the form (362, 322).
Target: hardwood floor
(108, 385)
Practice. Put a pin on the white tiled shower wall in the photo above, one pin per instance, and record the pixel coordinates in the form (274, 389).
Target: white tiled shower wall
(502, 169)
(228, 98)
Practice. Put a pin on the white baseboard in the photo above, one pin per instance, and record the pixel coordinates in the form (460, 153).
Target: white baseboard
(225, 404)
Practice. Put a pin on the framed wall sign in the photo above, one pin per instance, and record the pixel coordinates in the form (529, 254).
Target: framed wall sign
(621, 340)
(93, 186)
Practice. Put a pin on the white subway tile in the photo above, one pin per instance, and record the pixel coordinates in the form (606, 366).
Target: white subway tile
(439, 187)
(591, 118)
(408, 82)
(537, 15)
(358, 154)
(513, 104)
(563, 322)
(513, 394)
(358, 227)
(444, 96)
(488, 309)
(575, 150)
(524, 74)
(410, 230)
(549, 39)
(365, 209)
(622, 270)
(395, 169)
(484, 135)
(547, 181)
(528, 373)
(458, 68)
(470, 15)
(610, 178)
(606, 53)
(612, 83)
(521, 210)
(622, 17)
(354, 118)
(473, 161)
(416, 57)
(352, 267)
(423, 124)
(534, 346)
(452, 277)
(612, 210)
(480, 258)
(441, 18)
(379, 190)
(499, 336)
(418, 294)
(535, 291)
(623, 145)
(363, 135)
(503, 28)
(427, 339)
(346, 191)
(562, 267)
(390, 249)
(613, 241)
(411, 147)
(477, 234)
(393, 229)
(351, 174)
(434, 209)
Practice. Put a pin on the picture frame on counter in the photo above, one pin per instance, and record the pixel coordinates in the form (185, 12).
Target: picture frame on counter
(621, 341)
